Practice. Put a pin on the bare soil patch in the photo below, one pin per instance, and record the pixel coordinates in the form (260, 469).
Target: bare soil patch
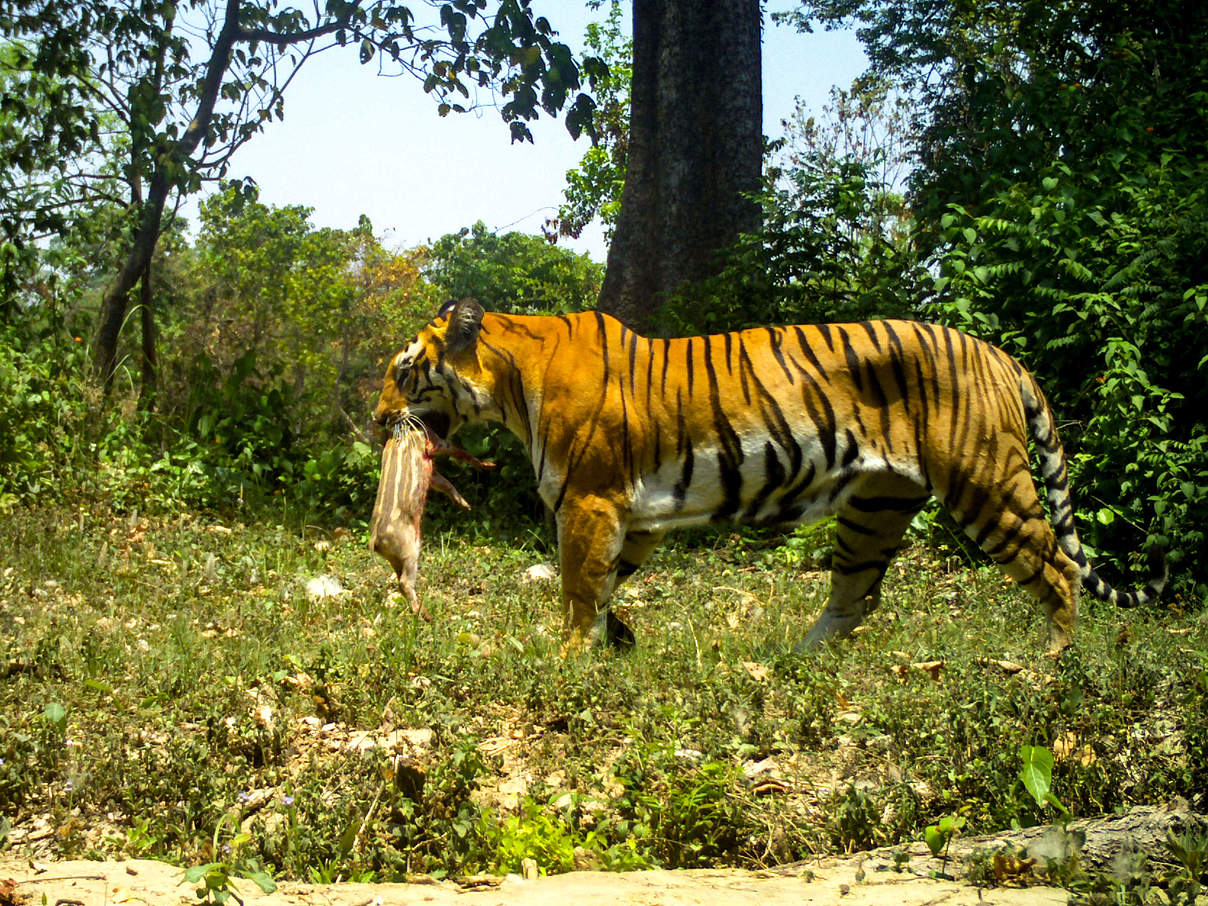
(906, 876)
(140, 881)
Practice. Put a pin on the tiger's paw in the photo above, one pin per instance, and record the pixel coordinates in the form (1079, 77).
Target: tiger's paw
(607, 629)
(617, 634)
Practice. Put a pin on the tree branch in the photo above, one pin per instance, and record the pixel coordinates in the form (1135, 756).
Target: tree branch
(284, 39)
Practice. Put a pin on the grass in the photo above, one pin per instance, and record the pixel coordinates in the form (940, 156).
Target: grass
(169, 689)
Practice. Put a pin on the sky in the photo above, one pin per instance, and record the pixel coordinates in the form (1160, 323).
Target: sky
(352, 142)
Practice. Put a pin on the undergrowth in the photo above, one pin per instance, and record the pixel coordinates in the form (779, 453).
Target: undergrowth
(170, 686)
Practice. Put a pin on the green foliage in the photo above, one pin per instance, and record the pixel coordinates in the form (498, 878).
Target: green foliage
(271, 295)
(830, 248)
(512, 272)
(43, 128)
(939, 836)
(854, 820)
(1037, 776)
(594, 188)
(680, 808)
(536, 833)
(1194, 725)
(216, 880)
(37, 420)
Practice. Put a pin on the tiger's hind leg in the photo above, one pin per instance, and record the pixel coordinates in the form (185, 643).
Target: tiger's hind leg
(1013, 531)
(869, 532)
(635, 550)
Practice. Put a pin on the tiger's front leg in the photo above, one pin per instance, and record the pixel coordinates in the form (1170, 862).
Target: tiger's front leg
(590, 537)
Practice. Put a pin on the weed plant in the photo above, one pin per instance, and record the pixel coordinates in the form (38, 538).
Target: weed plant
(169, 688)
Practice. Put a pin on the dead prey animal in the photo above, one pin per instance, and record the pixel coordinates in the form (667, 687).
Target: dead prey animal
(407, 473)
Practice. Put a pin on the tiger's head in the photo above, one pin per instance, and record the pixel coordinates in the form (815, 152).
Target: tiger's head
(438, 378)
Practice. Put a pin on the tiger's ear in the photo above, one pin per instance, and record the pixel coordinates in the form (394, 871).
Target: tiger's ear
(465, 320)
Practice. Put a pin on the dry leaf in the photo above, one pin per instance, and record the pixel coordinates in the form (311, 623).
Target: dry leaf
(931, 668)
(757, 672)
(1066, 747)
(1010, 668)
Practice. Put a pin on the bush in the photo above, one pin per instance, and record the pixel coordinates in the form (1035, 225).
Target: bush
(1102, 292)
(512, 272)
(47, 414)
(831, 248)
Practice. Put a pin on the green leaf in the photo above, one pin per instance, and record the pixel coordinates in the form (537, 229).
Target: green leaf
(936, 841)
(262, 880)
(55, 713)
(197, 872)
(348, 839)
(1037, 772)
(951, 824)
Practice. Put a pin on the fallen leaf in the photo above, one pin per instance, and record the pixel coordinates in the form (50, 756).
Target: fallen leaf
(757, 672)
(931, 668)
(1010, 668)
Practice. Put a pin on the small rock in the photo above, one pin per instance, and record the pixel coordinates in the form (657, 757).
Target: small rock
(323, 587)
(540, 572)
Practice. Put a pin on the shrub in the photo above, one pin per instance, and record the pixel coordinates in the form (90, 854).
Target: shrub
(1100, 291)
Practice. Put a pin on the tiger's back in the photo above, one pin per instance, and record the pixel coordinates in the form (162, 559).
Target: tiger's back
(753, 425)
(630, 437)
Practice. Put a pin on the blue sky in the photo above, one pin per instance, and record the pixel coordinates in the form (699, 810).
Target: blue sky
(355, 143)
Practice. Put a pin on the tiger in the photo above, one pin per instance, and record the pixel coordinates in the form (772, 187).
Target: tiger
(631, 437)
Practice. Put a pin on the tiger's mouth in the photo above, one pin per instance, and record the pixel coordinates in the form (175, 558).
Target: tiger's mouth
(437, 423)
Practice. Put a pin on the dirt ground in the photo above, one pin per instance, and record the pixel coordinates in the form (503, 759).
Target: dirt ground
(909, 876)
(866, 881)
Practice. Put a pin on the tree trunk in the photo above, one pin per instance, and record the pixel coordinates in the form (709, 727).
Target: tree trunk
(116, 299)
(146, 395)
(175, 156)
(695, 146)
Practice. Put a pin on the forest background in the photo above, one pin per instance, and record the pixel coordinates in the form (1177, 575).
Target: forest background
(1032, 173)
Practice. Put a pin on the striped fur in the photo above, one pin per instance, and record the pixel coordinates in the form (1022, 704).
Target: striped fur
(630, 437)
(394, 530)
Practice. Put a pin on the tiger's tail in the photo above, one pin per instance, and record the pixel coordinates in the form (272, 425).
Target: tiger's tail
(1061, 510)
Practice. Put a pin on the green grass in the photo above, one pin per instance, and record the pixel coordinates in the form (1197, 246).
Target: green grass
(161, 673)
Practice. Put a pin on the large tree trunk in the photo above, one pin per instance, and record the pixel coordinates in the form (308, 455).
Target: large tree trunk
(695, 146)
